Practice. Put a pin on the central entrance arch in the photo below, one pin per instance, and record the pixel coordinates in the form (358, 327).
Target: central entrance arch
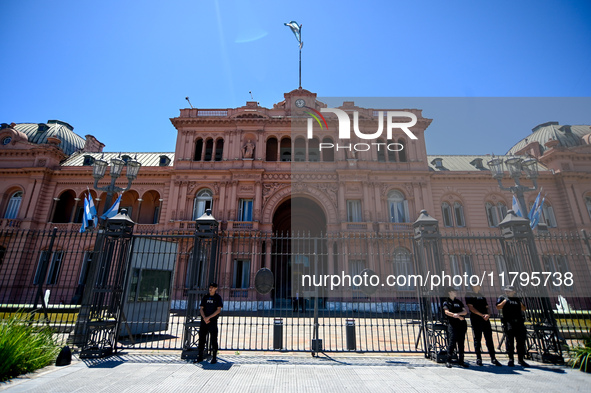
(298, 224)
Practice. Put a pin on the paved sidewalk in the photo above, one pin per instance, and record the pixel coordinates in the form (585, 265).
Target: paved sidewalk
(286, 372)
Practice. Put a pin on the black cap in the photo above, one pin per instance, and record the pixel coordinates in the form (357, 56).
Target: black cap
(509, 288)
(213, 284)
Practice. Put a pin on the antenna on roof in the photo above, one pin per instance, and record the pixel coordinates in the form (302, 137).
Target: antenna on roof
(250, 92)
(187, 98)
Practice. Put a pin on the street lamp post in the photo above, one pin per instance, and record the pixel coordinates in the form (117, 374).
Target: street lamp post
(516, 166)
(99, 167)
(519, 246)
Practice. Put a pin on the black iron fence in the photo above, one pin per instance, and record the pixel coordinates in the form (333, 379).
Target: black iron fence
(43, 273)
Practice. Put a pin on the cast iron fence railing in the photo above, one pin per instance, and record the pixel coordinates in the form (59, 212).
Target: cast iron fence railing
(54, 264)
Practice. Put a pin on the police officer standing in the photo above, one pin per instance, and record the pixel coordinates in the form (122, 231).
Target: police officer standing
(479, 318)
(513, 324)
(456, 329)
(210, 308)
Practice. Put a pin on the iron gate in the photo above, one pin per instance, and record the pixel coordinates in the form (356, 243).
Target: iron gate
(351, 319)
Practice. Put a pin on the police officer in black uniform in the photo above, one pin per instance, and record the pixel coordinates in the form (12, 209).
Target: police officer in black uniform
(456, 329)
(210, 308)
(479, 319)
(513, 324)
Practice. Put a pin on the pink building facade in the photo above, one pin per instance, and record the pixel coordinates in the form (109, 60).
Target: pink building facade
(252, 165)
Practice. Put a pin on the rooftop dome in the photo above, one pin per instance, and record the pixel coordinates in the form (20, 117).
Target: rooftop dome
(567, 136)
(39, 132)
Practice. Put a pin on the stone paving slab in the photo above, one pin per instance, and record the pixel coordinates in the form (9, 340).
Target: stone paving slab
(289, 372)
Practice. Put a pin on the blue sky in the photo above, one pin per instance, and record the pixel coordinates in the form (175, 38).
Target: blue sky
(120, 70)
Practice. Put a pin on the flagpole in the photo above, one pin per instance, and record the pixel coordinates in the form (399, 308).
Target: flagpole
(301, 56)
(300, 66)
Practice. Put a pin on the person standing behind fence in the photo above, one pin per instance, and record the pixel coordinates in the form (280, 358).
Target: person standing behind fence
(479, 318)
(456, 328)
(210, 309)
(513, 325)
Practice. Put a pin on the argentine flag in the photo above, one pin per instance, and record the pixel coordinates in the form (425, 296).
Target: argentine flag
(85, 216)
(112, 212)
(93, 215)
(536, 217)
(516, 207)
(297, 31)
(534, 207)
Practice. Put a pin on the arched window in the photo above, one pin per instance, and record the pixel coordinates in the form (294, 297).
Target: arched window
(328, 153)
(64, 207)
(285, 149)
(219, 149)
(299, 151)
(459, 214)
(203, 201)
(402, 153)
(208, 149)
(398, 207)
(313, 150)
(495, 213)
(588, 204)
(198, 149)
(403, 266)
(446, 213)
(14, 204)
(271, 153)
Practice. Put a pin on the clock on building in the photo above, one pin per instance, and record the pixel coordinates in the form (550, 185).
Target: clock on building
(300, 103)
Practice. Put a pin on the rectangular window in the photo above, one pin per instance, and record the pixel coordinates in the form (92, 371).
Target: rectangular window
(354, 211)
(150, 285)
(461, 264)
(356, 266)
(403, 266)
(54, 268)
(201, 205)
(548, 213)
(41, 267)
(445, 209)
(399, 211)
(459, 212)
(554, 264)
(241, 274)
(14, 205)
(85, 264)
(245, 213)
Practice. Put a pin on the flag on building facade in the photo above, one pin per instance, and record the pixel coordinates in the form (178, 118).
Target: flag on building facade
(112, 212)
(534, 207)
(93, 214)
(516, 207)
(537, 214)
(85, 216)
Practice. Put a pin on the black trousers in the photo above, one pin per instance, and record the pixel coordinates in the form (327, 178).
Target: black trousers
(515, 331)
(212, 329)
(480, 327)
(456, 333)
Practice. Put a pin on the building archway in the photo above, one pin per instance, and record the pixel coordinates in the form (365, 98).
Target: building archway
(298, 225)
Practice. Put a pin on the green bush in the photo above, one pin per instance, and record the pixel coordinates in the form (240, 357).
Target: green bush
(581, 356)
(24, 347)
